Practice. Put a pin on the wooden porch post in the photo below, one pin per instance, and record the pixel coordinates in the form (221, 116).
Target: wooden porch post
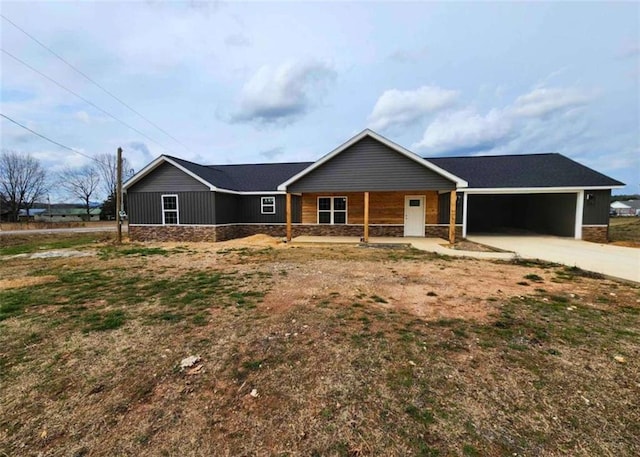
(452, 218)
(365, 238)
(288, 210)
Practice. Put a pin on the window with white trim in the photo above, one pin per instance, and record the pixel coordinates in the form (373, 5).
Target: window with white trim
(332, 210)
(170, 210)
(268, 205)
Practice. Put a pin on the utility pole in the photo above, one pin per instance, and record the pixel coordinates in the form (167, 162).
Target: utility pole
(119, 194)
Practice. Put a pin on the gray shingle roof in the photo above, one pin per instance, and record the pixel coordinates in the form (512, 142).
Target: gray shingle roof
(246, 177)
(527, 170)
(506, 171)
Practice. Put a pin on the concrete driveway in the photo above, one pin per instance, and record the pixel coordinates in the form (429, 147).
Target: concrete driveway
(616, 261)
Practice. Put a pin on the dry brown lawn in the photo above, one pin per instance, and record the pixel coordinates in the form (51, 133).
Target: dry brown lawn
(313, 351)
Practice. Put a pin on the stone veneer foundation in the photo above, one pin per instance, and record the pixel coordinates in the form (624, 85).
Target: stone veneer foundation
(214, 233)
(595, 234)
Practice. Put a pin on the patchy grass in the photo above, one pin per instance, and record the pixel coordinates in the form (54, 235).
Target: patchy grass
(625, 231)
(29, 243)
(315, 362)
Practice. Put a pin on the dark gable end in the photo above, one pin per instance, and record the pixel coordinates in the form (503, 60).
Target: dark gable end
(369, 165)
(523, 171)
(167, 178)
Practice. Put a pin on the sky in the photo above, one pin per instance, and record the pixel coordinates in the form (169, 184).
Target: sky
(256, 82)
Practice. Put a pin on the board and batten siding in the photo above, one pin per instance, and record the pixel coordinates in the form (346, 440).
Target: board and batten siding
(369, 165)
(596, 208)
(168, 179)
(384, 207)
(193, 207)
(251, 210)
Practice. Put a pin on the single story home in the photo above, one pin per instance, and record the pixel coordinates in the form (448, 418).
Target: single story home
(69, 215)
(370, 186)
(626, 208)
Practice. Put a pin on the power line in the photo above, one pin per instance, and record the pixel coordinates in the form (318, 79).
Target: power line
(50, 140)
(92, 81)
(89, 102)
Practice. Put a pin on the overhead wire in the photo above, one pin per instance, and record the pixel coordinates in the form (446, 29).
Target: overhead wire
(44, 137)
(89, 102)
(92, 81)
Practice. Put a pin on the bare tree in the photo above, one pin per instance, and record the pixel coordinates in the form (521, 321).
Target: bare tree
(23, 180)
(81, 183)
(108, 166)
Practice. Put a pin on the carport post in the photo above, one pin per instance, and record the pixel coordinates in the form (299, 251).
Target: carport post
(452, 217)
(365, 238)
(288, 210)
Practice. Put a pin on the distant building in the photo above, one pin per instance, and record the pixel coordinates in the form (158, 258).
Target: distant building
(626, 208)
(69, 215)
(24, 216)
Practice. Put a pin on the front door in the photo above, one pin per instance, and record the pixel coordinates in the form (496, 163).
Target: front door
(414, 215)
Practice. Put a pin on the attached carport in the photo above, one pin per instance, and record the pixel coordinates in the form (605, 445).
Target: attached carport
(540, 213)
(547, 194)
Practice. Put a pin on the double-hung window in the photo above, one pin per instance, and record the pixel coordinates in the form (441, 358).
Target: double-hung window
(332, 210)
(268, 205)
(170, 210)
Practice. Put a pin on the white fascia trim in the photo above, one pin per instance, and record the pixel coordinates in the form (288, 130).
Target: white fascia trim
(534, 190)
(153, 165)
(579, 214)
(257, 192)
(465, 198)
(396, 147)
(160, 160)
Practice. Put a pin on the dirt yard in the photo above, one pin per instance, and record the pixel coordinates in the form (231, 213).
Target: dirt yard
(310, 351)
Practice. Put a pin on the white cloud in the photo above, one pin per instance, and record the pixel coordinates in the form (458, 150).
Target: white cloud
(283, 93)
(465, 129)
(396, 107)
(543, 101)
(82, 116)
(541, 117)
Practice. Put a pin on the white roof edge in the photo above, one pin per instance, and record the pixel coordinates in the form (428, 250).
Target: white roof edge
(162, 159)
(157, 162)
(460, 183)
(498, 190)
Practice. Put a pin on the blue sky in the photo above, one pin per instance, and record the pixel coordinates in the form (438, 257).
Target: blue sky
(266, 82)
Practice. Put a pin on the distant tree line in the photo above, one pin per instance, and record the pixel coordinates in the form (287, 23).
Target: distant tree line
(24, 181)
(622, 198)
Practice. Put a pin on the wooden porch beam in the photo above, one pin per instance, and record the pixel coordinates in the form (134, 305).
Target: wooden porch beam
(288, 210)
(452, 217)
(365, 238)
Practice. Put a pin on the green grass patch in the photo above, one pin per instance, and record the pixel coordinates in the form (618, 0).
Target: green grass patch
(29, 243)
(110, 320)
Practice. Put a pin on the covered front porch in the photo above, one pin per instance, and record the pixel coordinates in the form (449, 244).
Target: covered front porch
(369, 214)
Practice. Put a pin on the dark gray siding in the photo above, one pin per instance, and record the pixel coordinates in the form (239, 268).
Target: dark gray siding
(369, 165)
(552, 214)
(251, 211)
(167, 178)
(444, 203)
(228, 207)
(596, 209)
(194, 207)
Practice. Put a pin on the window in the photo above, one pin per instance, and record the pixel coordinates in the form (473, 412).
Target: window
(332, 210)
(268, 205)
(170, 210)
(414, 202)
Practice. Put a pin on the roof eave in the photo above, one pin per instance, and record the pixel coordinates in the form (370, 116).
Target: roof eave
(549, 189)
(155, 164)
